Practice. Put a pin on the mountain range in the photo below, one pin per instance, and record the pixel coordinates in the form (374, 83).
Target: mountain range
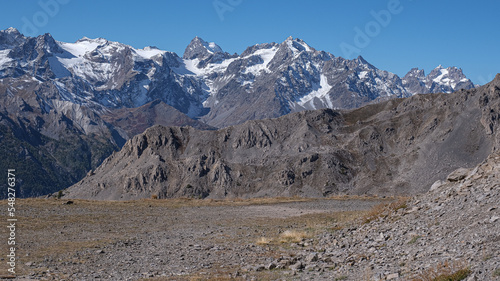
(64, 107)
(396, 147)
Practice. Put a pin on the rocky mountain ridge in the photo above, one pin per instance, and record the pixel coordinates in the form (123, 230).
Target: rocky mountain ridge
(383, 148)
(439, 80)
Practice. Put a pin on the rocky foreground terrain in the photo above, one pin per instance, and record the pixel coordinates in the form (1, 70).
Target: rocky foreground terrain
(453, 228)
(456, 223)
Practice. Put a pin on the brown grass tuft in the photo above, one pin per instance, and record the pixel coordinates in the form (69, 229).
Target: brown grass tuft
(264, 241)
(385, 209)
(445, 271)
(292, 236)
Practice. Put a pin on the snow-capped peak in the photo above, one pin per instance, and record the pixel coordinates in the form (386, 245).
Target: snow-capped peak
(199, 48)
(11, 30)
(213, 48)
(149, 52)
(82, 46)
(440, 79)
(10, 37)
(440, 74)
(297, 45)
(415, 72)
(444, 75)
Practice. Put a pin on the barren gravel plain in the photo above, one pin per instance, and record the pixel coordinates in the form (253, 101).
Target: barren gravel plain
(176, 239)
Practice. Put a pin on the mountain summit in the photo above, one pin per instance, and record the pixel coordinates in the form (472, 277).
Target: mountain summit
(200, 49)
(439, 80)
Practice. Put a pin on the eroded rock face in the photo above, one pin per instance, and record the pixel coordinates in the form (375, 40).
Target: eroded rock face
(395, 147)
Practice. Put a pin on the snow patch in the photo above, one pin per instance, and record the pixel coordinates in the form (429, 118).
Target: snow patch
(58, 68)
(4, 59)
(266, 55)
(212, 47)
(81, 47)
(319, 91)
(149, 52)
(190, 67)
(362, 74)
(142, 97)
(443, 77)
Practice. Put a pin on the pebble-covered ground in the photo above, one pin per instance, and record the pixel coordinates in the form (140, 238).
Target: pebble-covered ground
(168, 239)
(452, 229)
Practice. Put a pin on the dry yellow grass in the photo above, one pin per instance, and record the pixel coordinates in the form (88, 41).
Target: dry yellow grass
(264, 241)
(292, 236)
(192, 202)
(359, 197)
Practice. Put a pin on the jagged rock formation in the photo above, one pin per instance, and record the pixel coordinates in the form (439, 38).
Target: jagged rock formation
(396, 147)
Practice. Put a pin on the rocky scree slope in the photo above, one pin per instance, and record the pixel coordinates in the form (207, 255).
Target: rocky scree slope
(456, 223)
(399, 146)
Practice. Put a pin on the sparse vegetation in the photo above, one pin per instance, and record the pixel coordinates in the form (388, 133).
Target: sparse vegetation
(292, 236)
(385, 209)
(414, 239)
(496, 273)
(264, 241)
(94, 216)
(446, 271)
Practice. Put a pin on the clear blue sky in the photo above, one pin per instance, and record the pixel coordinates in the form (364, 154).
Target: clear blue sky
(419, 33)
